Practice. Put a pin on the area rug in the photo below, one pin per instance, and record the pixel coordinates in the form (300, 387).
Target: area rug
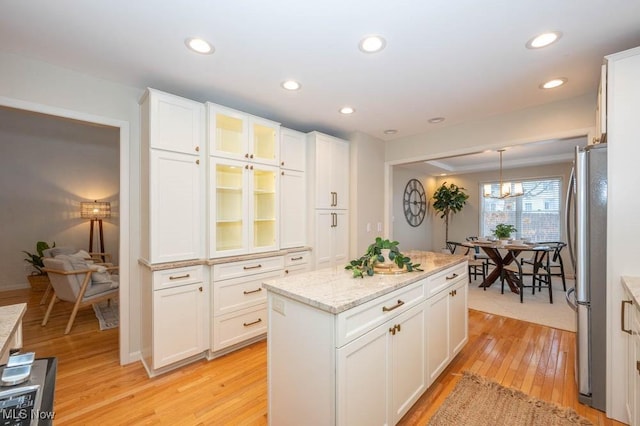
(535, 308)
(107, 313)
(478, 401)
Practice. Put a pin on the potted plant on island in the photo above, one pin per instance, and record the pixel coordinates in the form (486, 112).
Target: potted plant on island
(38, 278)
(448, 200)
(503, 231)
(383, 253)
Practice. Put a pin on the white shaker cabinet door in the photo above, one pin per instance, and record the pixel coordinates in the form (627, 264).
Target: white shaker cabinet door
(293, 224)
(175, 207)
(176, 124)
(179, 323)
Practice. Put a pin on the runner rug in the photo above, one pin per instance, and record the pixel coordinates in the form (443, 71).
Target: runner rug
(107, 314)
(478, 401)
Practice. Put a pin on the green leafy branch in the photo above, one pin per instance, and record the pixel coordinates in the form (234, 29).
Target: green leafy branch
(365, 263)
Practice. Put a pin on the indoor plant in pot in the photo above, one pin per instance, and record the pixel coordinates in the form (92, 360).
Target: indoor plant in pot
(448, 200)
(383, 253)
(38, 278)
(503, 231)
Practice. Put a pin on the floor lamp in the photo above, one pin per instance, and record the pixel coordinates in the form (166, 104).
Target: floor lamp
(96, 211)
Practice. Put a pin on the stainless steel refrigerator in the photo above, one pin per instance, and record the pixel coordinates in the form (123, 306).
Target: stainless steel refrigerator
(587, 241)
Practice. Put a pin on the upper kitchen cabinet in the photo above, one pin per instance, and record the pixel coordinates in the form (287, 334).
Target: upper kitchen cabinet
(329, 164)
(174, 123)
(240, 136)
(293, 150)
(172, 178)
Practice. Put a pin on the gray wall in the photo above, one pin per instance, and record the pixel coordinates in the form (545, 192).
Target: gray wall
(410, 238)
(48, 165)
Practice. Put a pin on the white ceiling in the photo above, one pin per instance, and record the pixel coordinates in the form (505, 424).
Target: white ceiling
(532, 154)
(460, 59)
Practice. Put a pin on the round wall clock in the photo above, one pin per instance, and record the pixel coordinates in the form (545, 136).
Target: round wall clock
(414, 202)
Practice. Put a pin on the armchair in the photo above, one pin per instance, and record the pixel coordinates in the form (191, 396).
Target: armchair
(81, 283)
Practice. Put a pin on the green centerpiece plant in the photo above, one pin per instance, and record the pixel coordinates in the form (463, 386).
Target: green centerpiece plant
(378, 253)
(503, 231)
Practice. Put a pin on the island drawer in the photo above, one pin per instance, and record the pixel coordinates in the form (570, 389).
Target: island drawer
(174, 277)
(443, 279)
(239, 293)
(244, 268)
(239, 326)
(355, 322)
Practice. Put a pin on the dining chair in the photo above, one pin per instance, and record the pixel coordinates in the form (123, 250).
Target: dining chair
(476, 267)
(537, 267)
(556, 265)
(479, 254)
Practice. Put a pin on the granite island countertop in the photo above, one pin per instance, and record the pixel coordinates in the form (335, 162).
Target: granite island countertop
(10, 324)
(334, 290)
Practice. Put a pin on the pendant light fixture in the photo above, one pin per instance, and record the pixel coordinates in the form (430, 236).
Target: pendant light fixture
(505, 189)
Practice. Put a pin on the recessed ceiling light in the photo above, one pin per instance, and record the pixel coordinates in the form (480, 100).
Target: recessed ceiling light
(347, 110)
(372, 44)
(291, 85)
(390, 132)
(436, 120)
(551, 84)
(199, 45)
(543, 40)
(443, 174)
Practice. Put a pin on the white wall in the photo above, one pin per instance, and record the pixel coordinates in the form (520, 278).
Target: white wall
(36, 85)
(366, 192)
(409, 237)
(48, 165)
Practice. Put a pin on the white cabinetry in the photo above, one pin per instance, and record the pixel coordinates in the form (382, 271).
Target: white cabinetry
(172, 178)
(370, 363)
(293, 201)
(237, 135)
(328, 189)
(177, 317)
(631, 326)
(239, 301)
(332, 238)
(447, 318)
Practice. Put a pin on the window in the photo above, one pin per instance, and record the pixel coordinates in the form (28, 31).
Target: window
(536, 214)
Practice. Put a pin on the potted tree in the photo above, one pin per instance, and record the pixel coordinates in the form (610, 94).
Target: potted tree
(448, 200)
(38, 278)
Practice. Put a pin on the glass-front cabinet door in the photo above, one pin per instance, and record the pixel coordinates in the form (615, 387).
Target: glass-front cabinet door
(228, 132)
(264, 206)
(264, 136)
(228, 212)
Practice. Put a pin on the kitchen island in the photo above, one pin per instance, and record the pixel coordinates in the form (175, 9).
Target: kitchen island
(347, 351)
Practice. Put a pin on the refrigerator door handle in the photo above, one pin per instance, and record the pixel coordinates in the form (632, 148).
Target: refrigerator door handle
(568, 212)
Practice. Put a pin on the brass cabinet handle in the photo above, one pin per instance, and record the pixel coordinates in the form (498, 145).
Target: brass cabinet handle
(396, 306)
(296, 258)
(252, 267)
(392, 330)
(398, 327)
(247, 324)
(451, 277)
(178, 277)
(622, 311)
(258, 290)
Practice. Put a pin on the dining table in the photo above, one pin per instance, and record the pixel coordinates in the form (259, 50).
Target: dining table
(501, 255)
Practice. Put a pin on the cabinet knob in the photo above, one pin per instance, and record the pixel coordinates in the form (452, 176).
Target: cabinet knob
(638, 366)
(282, 173)
(246, 155)
(246, 166)
(197, 149)
(200, 288)
(282, 163)
(197, 161)
(250, 167)
(251, 156)
(392, 330)
(286, 271)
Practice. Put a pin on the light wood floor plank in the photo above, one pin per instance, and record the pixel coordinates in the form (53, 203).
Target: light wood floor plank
(92, 388)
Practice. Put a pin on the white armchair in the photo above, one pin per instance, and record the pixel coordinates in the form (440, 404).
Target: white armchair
(83, 283)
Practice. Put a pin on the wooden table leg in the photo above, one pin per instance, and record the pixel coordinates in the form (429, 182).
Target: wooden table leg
(500, 263)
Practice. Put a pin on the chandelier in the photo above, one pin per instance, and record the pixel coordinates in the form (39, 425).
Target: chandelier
(505, 189)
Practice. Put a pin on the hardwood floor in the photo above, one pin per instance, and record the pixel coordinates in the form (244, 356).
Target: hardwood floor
(92, 388)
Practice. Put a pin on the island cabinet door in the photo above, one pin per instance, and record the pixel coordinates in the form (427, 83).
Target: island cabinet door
(438, 333)
(362, 391)
(459, 318)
